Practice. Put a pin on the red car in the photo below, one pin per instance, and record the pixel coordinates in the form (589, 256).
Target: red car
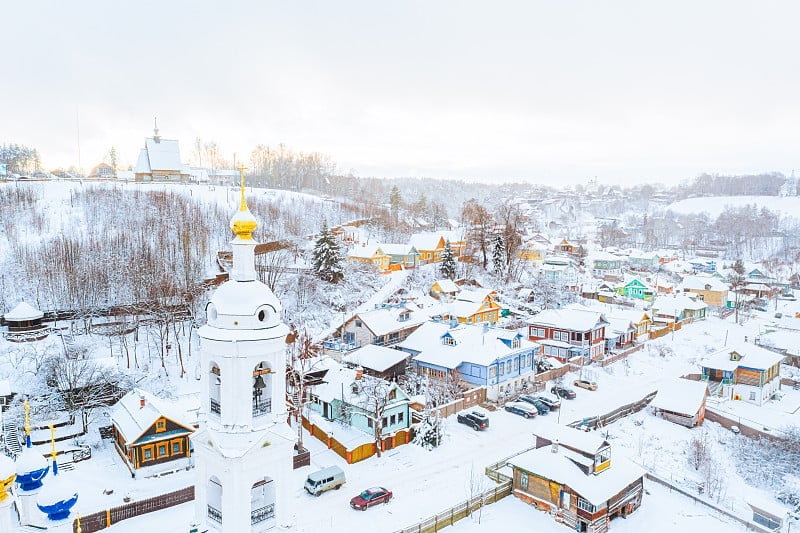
(369, 497)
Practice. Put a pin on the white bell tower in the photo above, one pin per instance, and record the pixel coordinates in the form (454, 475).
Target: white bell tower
(243, 453)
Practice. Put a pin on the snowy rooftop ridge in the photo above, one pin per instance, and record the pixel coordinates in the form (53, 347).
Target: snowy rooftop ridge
(751, 356)
(573, 319)
(133, 419)
(374, 357)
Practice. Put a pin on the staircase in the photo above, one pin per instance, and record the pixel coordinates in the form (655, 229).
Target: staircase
(11, 439)
(66, 466)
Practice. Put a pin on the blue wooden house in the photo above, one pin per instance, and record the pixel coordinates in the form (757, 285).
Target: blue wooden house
(501, 360)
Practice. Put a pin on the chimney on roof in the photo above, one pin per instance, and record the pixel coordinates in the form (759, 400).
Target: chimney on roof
(141, 402)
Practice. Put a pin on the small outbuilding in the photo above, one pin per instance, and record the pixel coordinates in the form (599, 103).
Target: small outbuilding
(681, 401)
(24, 323)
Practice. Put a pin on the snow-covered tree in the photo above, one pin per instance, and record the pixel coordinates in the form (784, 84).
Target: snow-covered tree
(448, 267)
(395, 200)
(498, 252)
(328, 257)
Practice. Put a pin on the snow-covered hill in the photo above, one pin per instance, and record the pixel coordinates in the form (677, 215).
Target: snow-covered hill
(715, 205)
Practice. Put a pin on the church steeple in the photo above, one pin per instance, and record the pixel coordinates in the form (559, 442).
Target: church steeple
(156, 136)
(243, 224)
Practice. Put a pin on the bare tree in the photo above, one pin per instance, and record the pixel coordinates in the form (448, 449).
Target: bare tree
(373, 401)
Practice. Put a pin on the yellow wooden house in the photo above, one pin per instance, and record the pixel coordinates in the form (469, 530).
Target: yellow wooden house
(429, 246)
(476, 306)
(370, 254)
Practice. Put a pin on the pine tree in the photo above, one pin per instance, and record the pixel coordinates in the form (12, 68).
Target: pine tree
(327, 257)
(498, 250)
(394, 202)
(448, 267)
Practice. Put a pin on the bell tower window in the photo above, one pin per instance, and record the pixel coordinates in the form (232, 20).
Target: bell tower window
(262, 389)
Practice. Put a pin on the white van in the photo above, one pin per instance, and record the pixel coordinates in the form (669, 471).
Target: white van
(325, 479)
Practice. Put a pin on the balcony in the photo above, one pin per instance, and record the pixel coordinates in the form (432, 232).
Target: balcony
(261, 515)
(215, 407)
(262, 407)
(215, 515)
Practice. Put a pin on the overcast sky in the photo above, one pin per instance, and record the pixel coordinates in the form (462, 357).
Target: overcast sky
(555, 91)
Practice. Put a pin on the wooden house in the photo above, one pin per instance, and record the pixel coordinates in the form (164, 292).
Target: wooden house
(147, 437)
(569, 332)
(369, 254)
(475, 306)
(636, 288)
(566, 247)
(743, 371)
(677, 308)
(711, 290)
(347, 234)
(606, 265)
(570, 475)
(505, 361)
(378, 361)
(681, 401)
(383, 326)
(620, 333)
(429, 246)
(102, 171)
(401, 256)
(532, 251)
(348, 396)
(445, 290)
(640, 319)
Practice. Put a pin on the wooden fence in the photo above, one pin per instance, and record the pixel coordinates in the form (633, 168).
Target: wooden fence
(363, 451)
(620, 412)
(748, 524)
(744, 429)
(104, 519)
(458, 512)
(469, 399)
(621, 355)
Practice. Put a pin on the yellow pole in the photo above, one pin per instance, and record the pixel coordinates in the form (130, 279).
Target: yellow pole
(27, 419)
(53, 440)
(79, 524)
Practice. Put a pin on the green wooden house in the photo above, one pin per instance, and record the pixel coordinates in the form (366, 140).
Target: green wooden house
(636, 288)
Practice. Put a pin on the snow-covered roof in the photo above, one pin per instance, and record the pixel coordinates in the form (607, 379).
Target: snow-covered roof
(558, 467)
(363, 251)
(5, 387)
(425, 241)
(374, 357)
(675, 304)
(573, 319)
(604, 256)
(397, 249)
(447, 285)
(472, 344)
(618, 325)
(750, 356)
(338, 385)
(132, 420)
(143, 163)
(704, 283)
(474, 295)
(682, 396)
(163, 155)
(387, 319)
(574, 438)
(634, 315)
(23, 311)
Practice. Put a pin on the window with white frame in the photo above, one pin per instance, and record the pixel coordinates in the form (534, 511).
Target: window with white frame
(492, 372)
(523, 480)
(516, 364)
(508, 367)
(586, 506)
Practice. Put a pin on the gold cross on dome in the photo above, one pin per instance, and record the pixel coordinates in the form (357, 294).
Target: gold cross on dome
(243, 206)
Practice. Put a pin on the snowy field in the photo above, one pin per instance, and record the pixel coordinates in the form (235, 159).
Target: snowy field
(714, 206)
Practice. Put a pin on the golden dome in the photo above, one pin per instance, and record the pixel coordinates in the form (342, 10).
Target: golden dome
(243, 223)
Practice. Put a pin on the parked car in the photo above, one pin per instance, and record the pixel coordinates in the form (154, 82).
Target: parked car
(534, 401)
(371, 497)
(550, 401)
(476, 419)
(325, 479)
(563, 392)
(585, 384)
(778, 315)
(521, 408)
(760, 308)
